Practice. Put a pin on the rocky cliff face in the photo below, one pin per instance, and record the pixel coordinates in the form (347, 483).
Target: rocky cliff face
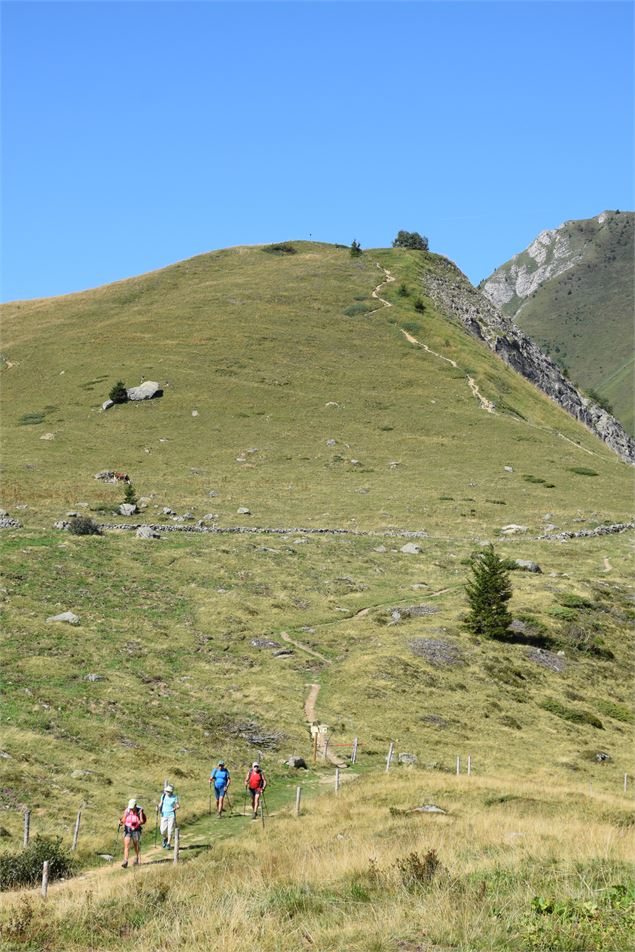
(452, 292)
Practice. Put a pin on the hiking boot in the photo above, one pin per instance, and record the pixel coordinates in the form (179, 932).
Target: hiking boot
(125, 864)
(136, 862)
(165, 843)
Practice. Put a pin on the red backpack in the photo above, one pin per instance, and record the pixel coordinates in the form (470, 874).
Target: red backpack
(255, 780)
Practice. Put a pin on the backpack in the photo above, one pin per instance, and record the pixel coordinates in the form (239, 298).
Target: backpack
(255, 780)
(132, 820)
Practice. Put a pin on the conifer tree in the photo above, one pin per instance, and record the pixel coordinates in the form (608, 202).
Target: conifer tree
(119, 394)
(356, 249)
(488, 592)
(129, 495)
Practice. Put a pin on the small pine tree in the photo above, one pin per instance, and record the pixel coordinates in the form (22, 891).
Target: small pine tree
(488, 592)
(119, 394)
(419, 305)
(129, 495)
(403, 290)
(356, 249)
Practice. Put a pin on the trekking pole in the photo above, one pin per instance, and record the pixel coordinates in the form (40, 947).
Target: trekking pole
(244, 802)
(210, 799)
(156, 824)
(262, 811)
(114, 849)
(230, 804)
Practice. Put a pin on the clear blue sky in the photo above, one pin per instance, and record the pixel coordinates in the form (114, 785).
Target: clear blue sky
(138, 134)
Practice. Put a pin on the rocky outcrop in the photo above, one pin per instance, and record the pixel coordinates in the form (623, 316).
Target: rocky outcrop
(452, 292)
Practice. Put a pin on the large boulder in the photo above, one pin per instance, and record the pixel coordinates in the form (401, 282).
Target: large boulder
(513, 529)
(127, 509)
(147, 532)
(410, 548)
(526, 565)
(298, 762)
(147, 390)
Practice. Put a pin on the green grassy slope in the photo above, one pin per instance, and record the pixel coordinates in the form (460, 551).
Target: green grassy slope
(584, 317)
(264, 349)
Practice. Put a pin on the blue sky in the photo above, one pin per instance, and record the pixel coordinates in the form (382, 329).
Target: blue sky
(138, 134)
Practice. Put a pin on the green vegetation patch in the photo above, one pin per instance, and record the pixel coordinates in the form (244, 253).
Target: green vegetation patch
(571, 714)
(583, 471)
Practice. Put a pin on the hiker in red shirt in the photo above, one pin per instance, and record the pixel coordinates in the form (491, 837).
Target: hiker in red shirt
(255, 783)
(132, 821)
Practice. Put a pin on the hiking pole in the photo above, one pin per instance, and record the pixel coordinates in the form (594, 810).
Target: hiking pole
(210, 799)
(244, 801)
(156, 824)
(114, 849)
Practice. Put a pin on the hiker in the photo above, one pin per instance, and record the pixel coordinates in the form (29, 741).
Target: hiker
(132, 821)
(168, 805)
(255, 782)
(221, 779)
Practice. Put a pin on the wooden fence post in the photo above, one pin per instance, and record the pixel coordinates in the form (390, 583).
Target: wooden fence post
(326, 749)
(469, 765)
(389, 757)
(27, 827)
(625, 782)
(298, 798)
(177, 834)
(337, 779)
(76, 830)
(45, 878)
(458, 766)
(354, 751)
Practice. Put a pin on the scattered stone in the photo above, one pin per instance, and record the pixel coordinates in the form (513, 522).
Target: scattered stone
(380, 549)
(210, 517)
(508, 469)
(21, 505)
(108, 857)
(243, 511)
(241, 459)
(527, 566)
(298, 763)
(48, 436)
(547, 659)
(430, 808)
(252, 450)
(80, 774)
(167, 511)
(283, 653)
(407, 759)
(413, 611)
(213, 494)
(61, 524)
(264, 643)
(331, 403)
(410, 548)
(147, 390)
(127, 509)
(94, 677)
(355, 462)
(107, 404)
(68, 617)
(441, 654)
(72, 515)
(5, 755)
(147, 532)
(7, 522)
(194, 412)
(602, 757)
(3, 513)
(331, 442)
(513, 529)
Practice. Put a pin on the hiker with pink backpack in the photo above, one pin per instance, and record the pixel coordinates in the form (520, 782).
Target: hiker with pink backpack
(132, 821)
(255, 783)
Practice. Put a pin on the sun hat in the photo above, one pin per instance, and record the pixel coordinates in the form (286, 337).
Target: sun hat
(132, 804)
(169, 788)
(221, 763)
(255, 764)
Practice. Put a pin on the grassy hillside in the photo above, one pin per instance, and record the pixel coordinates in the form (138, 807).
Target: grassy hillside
(278, 355)
(584, 316)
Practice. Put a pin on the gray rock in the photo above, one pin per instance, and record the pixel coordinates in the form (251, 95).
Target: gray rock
(106, 475)
(80, 774)
(380, 549)
(407, 759)
(513, 529)
(441, 654)
(430, 808)
(94, 677)
(213, 494)
(527, 566)
(3, 513)
(167, 511)
(264, 643)
(282, 653)
(107, 404)
(410, 548)
(61, 524)
(145, 391)
(243, 511)
(147, 532)
(298, 763)
(602, 757)
(508, 469)
(210, 517)
(194, 412)
(127, 509)
(187, 515)
(550, 527)
(435, 720)
(72, 515)
(331, 442)
(69, 617)
(7, 522)
(4, 755)
(547, 659)
(108, 857)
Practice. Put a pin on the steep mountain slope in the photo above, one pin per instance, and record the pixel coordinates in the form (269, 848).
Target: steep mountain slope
(315, 392)
(571, 291)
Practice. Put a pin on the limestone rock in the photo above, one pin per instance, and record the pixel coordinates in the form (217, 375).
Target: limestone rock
(243, 511)
(508, 469)
(7, 522)
(69, 617)
(298, 763)
(411, 548)
(513, 529)
(407, 758)
(94, 677)
(145, 391)
(61, 524)
(527, 565)
(127, 509)
(147, 532)
(107, 404)
(430, 808)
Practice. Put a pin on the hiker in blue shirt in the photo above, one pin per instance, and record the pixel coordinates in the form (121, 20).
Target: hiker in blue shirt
(221, 780)
(168, 805)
